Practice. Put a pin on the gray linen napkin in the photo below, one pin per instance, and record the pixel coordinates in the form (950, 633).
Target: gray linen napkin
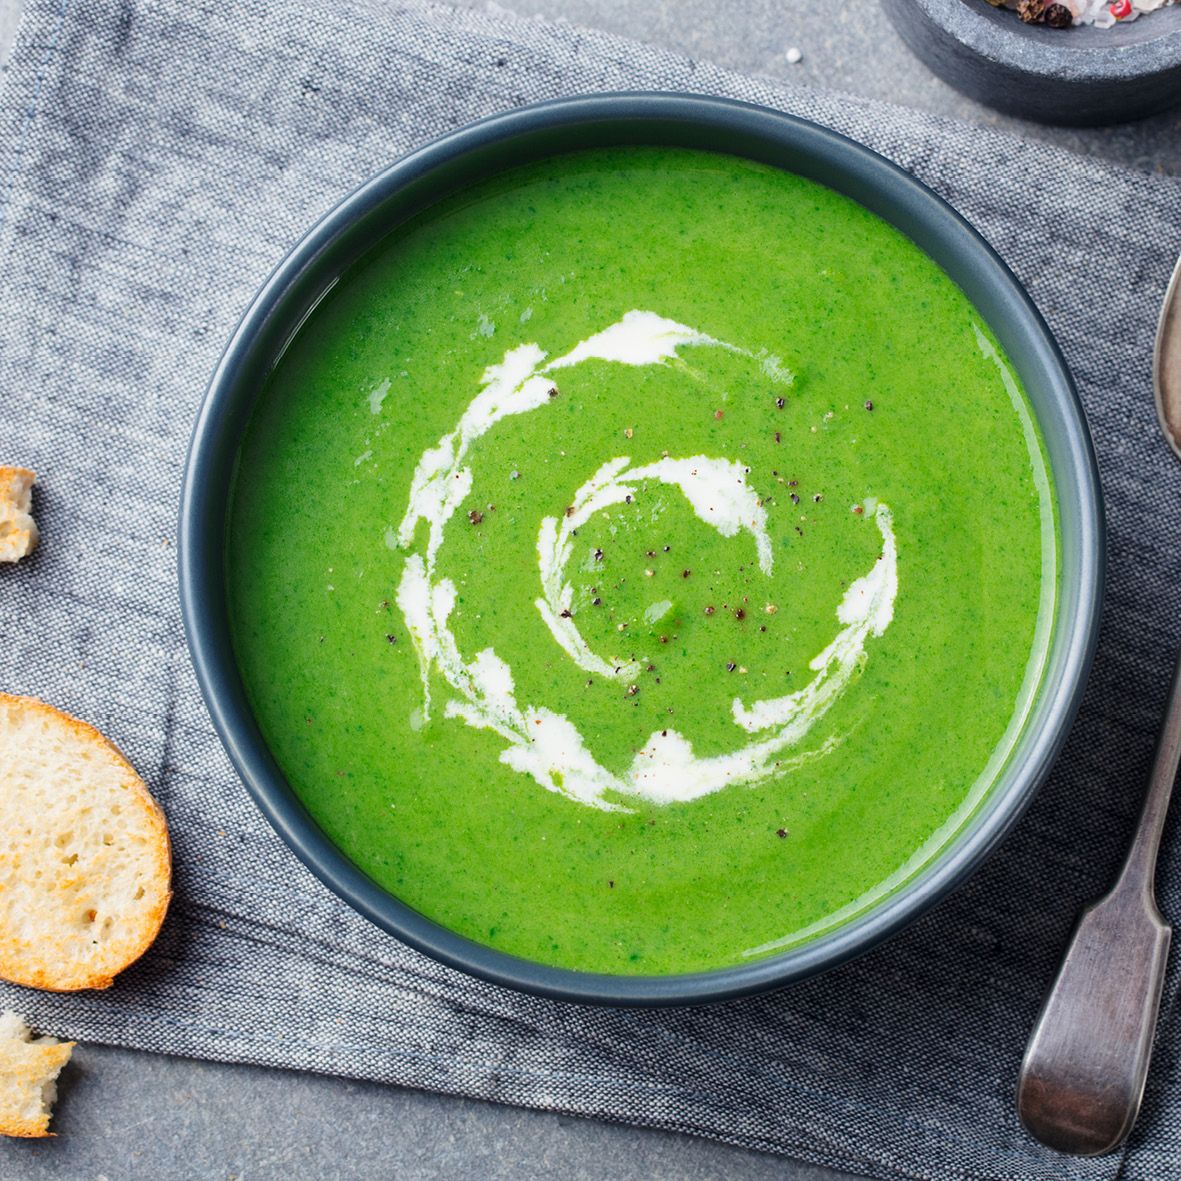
(156, 160)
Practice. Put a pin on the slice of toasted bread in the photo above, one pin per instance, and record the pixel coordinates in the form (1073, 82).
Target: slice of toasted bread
(28, 1077)
(85, 863)
(18, 530)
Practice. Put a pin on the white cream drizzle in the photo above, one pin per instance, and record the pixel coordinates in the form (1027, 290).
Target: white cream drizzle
(547, 745)
(640, 338)
(866, 610)
(718, 493)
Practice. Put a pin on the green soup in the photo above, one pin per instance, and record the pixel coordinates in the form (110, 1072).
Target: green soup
(642, 562)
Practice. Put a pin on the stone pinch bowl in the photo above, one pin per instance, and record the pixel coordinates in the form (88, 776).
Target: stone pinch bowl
(1081, 76)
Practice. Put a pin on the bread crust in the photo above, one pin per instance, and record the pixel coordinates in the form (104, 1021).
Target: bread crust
(61, 975)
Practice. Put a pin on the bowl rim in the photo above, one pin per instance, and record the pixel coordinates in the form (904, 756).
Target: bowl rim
(273, 315)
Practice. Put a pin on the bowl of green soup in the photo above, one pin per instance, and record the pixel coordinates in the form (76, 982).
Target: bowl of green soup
(641, 549)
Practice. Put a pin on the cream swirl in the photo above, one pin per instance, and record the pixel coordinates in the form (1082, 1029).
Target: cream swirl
(541, 742)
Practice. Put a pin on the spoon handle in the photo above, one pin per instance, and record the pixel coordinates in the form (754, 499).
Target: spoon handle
(1083, 1076)
(1139, 871)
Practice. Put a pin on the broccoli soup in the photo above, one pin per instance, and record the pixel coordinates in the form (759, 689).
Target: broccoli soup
(643, 561)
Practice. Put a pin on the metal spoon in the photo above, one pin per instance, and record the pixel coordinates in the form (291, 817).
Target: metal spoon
(1082, 1080)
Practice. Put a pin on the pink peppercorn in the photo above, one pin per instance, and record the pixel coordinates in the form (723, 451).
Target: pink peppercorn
(1120, 9)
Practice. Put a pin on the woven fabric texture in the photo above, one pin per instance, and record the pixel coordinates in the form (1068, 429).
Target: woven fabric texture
(157, 159)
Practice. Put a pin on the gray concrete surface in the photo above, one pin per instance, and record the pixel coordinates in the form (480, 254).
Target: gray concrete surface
(126, 1115)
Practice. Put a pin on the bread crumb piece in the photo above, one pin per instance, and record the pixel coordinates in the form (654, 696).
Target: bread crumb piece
(18, 530)
(28, 1077)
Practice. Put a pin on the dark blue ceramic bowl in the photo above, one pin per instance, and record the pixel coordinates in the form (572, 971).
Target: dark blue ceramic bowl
(505, 141)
